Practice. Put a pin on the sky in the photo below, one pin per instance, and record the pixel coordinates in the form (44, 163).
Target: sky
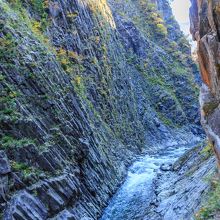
(181, 12)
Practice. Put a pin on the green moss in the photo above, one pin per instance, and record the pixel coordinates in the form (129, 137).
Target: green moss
(2, 77)
(17, 17)
(207, 151)
(179, 69)
(37, 6)
(78, 83)
(161, 29)
(154, 24)
(7, 142)
(7, 48)
(157, 80)
(20, 167)
(8, 102)
(24, 169)
(165, 120)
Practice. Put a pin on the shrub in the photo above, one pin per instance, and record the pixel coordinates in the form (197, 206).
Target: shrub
(162, 29)
(10, 142)
(212, 206)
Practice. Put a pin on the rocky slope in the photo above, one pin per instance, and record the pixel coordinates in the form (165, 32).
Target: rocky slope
(180, 190)
(168, 185)
(84, 87)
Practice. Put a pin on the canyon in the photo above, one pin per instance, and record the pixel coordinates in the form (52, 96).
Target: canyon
(97, 96)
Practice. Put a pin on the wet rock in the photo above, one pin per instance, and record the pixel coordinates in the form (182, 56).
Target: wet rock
(180, 193)
(166, 167)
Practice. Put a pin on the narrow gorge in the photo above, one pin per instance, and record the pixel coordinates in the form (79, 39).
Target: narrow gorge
(99, 110)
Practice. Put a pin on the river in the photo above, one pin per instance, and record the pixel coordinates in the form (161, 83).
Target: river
(132, 201)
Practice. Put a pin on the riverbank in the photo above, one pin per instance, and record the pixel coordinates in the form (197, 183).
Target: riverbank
(169, 185)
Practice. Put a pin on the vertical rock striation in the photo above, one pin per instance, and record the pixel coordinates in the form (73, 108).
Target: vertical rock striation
(85, 86)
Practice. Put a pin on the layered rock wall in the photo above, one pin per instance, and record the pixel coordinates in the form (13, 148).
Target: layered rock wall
(85, 86)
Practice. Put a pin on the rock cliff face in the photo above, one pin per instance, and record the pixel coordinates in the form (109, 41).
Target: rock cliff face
(85, 85)
(205, 28)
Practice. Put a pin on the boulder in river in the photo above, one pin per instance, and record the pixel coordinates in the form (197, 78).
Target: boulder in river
(166, 167)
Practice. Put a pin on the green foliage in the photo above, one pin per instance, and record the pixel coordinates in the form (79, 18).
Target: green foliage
(39, 7)
(161, 29)
(37, 24)
(7, 48)
(212, 206)
(153, 19)
(2, 77)
(157, 80)
(20, 167)
(8, 103)
(69, 60)
(79, 86)
(165, 120)
(179, 69)
(7, 142)
(24, 169)
(207, 150)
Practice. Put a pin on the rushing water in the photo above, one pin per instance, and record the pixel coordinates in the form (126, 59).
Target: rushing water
(134, 196)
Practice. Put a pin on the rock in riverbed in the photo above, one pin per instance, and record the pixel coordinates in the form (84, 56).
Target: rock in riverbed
(166, 167)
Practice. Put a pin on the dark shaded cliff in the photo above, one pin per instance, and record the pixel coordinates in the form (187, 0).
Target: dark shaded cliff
(85, 86)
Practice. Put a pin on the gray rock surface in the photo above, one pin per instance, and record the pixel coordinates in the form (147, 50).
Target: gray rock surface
(180, 193)
(5, 170)
(85, 87)
(4, 163)
(25, 206)
(205, 25)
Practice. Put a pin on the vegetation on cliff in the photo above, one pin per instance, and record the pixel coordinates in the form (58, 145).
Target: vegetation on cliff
(84, 87)
(211, 208)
